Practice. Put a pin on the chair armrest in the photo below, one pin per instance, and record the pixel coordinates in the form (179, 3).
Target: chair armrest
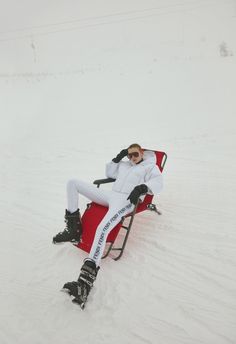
(103, 181)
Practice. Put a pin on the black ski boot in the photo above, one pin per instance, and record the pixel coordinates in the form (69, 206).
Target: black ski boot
(81, 289)
(73, 229)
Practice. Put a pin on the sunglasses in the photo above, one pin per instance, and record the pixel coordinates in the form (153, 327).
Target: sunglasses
(134, 154)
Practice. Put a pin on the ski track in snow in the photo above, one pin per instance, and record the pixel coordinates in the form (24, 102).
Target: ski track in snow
(176, 282)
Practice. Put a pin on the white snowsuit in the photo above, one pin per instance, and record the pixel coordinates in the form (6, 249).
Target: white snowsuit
(127, 175)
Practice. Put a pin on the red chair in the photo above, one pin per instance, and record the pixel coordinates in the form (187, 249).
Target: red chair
(94, 214)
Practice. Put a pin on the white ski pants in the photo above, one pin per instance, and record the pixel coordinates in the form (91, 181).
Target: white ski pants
(117, 203)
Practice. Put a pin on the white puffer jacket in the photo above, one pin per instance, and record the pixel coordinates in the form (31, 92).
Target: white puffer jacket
(128, 174)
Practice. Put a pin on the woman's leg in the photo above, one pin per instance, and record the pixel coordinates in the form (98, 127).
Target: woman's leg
(76, 187)
(114, 215)
(73, 229)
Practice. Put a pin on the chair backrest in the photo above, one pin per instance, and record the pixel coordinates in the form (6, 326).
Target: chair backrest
(160, 157)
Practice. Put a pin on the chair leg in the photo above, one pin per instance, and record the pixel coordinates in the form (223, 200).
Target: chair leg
(108, 250)
(121, 249)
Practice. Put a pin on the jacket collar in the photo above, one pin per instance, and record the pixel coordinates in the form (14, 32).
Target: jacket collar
(133, 163)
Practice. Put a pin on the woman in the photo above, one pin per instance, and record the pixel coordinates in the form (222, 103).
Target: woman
(134, 179)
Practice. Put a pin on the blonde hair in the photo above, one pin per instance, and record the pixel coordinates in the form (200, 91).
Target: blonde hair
(135, 145)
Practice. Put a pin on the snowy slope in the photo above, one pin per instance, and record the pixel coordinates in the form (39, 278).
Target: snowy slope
(78, 82)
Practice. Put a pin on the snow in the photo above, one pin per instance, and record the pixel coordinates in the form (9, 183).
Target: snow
(79, 81)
